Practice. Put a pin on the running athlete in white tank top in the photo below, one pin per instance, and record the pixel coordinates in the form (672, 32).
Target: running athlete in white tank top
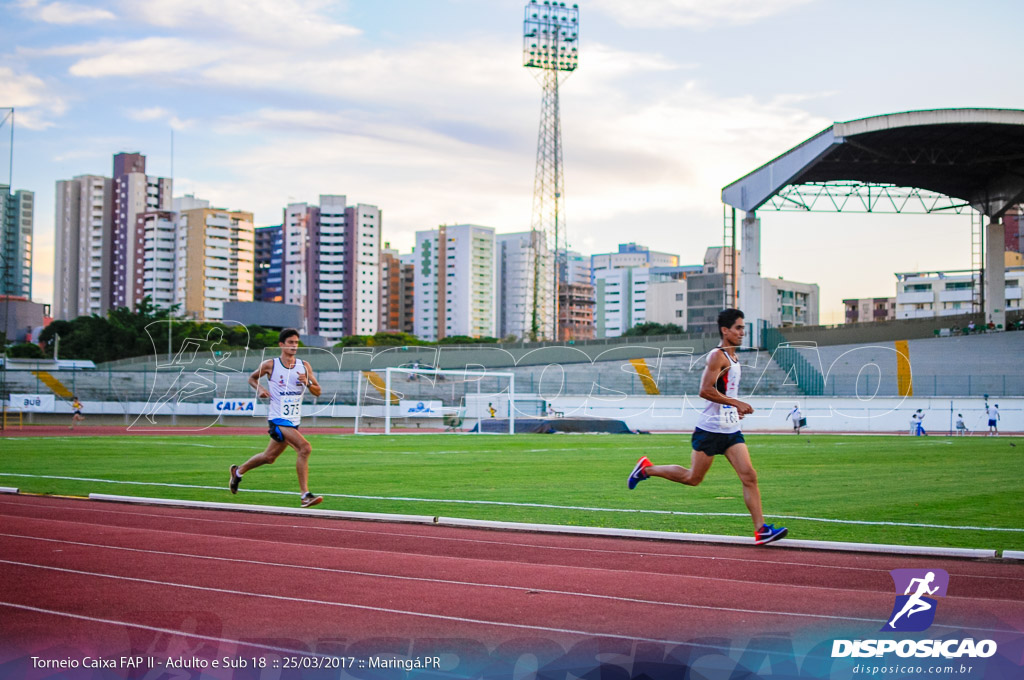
(718, 417)
(287, 385)
(718, 429)
(288, 377)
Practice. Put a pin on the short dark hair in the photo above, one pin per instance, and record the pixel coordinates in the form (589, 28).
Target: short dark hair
(287, 333)
(727, 317)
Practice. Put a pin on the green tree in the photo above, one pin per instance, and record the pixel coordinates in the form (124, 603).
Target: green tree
(651, 328)
(25, 350)
(386, 339)
(353, 341)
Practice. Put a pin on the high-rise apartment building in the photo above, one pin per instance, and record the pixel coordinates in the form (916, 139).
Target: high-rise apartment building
(575, 311)
(100, 250)
(17, 216)
(518, 266)
(632, 255)
(944, 293)
(331, 260)
(83, 222)
(455, 282)
(215, 261)
(362, 234)
(789, 303)
(574, 268)
(629, 296)
(269, 263)
(397, 292)
(158, 241)
(133, 193)
(863, 310)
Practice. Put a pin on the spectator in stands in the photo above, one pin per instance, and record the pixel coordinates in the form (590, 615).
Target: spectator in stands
(991, 326)
(970, 327)
(955, 330)
(993, 420)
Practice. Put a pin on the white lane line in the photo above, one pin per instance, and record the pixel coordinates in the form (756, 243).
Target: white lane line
(491, 561)
(754, 612)
(168, 631)
(409, 499)
(505, 544)
(497, 586)
(699, 578)
(346, 605)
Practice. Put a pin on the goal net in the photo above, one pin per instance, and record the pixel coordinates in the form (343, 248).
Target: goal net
(427, 399)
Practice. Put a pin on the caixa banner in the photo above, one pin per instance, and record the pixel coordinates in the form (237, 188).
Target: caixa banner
(42, 403)
(235, 407)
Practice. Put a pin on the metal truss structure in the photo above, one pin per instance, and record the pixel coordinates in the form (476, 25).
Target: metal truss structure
(862, 197)
(550, 38)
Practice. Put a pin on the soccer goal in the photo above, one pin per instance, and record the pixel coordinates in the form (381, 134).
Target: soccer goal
(430, 399)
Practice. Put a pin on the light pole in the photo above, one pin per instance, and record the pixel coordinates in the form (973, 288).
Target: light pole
(550, 39)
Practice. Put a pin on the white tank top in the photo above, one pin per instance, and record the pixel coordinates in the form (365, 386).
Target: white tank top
(722, 418)
(286, 392)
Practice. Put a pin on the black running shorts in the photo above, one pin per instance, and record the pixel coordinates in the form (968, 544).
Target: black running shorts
(714, 443)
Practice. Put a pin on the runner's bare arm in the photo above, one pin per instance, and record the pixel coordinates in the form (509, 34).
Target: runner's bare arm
(311, 382)
(254, 378)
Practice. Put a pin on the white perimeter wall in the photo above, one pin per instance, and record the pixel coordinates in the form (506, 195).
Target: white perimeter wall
(653, 413)
(824, 414)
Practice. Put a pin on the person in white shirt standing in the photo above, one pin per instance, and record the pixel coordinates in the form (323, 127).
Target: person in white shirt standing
(288, 378)
(797, 419)
(718, 429)
(917, 424)
(993, 420)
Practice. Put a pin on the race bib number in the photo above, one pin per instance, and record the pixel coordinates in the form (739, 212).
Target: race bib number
(291, 406)
(730, 416)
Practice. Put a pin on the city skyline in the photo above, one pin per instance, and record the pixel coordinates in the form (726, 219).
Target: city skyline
(425, 111)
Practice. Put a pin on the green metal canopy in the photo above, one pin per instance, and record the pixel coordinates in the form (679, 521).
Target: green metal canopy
(973, 155)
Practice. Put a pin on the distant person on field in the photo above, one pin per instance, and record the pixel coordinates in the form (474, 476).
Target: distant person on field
(288, 378)
(796, 417)
(993, 420)
(718, 429)
(961, 429)
(917, 421)
(76, 415)
(490, 409)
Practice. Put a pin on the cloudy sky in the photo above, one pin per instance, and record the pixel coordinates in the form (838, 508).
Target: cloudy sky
(424, 109)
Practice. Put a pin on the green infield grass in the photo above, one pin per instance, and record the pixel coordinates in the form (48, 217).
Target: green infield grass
(935, 491)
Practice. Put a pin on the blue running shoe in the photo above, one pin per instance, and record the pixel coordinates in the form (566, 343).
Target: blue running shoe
(637, 475)
(769, 533)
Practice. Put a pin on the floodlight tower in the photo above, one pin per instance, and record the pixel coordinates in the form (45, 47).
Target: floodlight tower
(550, 38)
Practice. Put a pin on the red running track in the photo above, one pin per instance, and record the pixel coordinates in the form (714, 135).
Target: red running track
(90, 578)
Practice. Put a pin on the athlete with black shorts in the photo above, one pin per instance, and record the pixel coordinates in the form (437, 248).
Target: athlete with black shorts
(718, 429)
(288, 378)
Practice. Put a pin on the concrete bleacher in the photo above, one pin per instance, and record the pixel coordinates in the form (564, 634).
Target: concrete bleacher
(672, 374)
(975, 365)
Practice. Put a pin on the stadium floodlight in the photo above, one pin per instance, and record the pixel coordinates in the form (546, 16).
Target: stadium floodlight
(551, 45)
(450, 398)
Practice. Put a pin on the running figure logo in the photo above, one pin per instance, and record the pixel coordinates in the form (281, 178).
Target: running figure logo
(914, 610)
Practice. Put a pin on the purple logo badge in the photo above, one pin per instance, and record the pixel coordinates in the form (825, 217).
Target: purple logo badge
(916, 589)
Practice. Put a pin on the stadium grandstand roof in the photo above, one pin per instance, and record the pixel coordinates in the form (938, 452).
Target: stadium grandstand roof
(974, 155)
